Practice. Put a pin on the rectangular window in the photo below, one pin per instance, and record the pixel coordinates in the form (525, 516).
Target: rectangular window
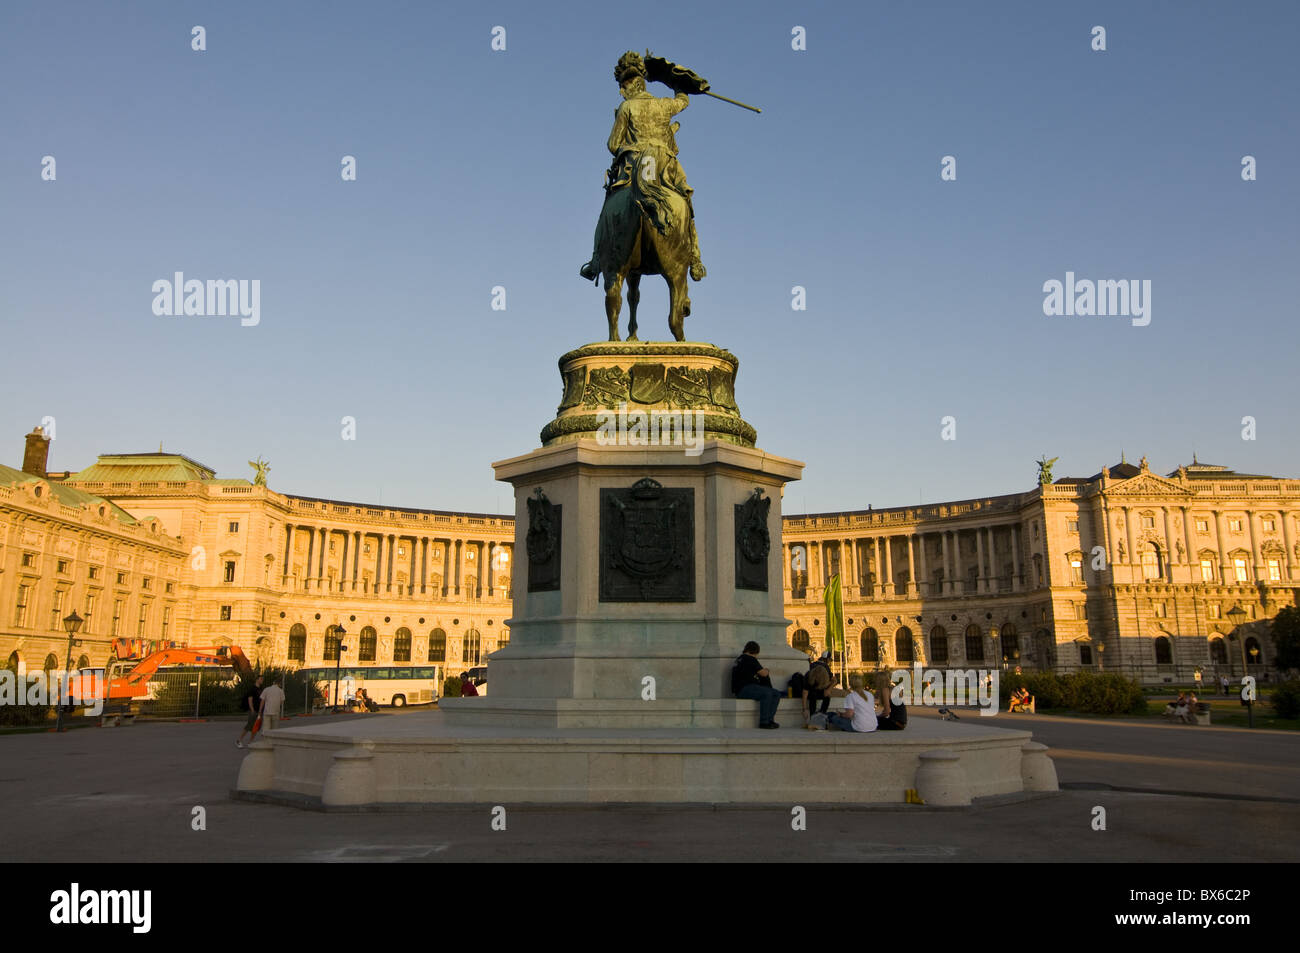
(225, 613)
(1202, 526)
(1072, 526)
(1239, 564)
(146, 583)
(1269, 525)
(230, 570)
(1149, 522)
(1081, 610)
(1207, 570)
(1274, 570)
(1085, 654)
(117, 616)
(233, 528)
(1160, 610)
(170, 586)
(56, 610)
(61, 566)
(1216, 611)
(20, 611)
(90, 611)
(1076, 571)
(144, 618)
(92, 572)
(166, 620)
(1234, 525)
(29, 560)
(121, 579)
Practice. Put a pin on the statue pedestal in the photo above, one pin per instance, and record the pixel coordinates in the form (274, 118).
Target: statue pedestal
(648, 590)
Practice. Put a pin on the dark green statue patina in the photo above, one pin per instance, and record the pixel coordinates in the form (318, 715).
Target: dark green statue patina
(647, 224)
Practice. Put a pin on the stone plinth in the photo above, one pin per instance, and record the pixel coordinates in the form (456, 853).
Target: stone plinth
(421, 758)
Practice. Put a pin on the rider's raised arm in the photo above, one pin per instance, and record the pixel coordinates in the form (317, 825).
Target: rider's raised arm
(680, 102)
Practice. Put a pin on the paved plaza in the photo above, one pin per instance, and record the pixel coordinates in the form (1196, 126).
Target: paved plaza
(129, 793)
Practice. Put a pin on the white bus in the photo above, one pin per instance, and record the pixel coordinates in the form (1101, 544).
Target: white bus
(395, 685)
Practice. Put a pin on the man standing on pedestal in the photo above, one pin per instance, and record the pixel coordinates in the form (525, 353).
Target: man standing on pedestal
(750, 680)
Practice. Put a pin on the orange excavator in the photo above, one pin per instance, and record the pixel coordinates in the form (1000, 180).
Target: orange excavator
(128, 679)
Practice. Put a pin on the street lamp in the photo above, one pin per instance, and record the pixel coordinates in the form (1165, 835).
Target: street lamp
(1238, 616)
(339, 632)
(72, 623)
(1101, 652)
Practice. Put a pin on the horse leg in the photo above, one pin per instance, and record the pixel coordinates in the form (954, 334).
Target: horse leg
(678, 304)
(613, 304)
(633, 299)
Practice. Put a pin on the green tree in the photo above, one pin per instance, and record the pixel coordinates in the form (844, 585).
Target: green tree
(1286, 639)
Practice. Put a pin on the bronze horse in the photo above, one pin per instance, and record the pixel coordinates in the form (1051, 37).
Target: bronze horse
(634, 242)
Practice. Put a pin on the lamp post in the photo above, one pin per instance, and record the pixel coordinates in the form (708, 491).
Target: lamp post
(339, 632)
(72, 623)
(1238, 616)
(994, 634)
(1101, 653)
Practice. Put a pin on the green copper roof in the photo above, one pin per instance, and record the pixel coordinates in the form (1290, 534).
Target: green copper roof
(143, 468)
(67, 495)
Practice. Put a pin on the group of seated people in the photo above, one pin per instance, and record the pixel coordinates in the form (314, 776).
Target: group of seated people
(1183, 708)
(361, 702)
(1021, 700)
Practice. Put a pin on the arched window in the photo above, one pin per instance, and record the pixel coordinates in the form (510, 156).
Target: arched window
(368, 640)
(332, 642)
(51, 662)
(870, 643)
(402, 645)
(1010, 644)
(939, 645)
(903, 645)
(83, 662)
(298, 643)
(437, 646)
(1164, 651)
(800, 640)
(503, 639)
(13, 663)
(472, 648)
(1218, 651)
(974, 643)
(1253, 654)
(1152, 565)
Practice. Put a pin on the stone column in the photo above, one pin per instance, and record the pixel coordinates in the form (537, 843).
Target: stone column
(1170, 549)
(787, 554)
(1256, 556)
(311, 551)
(1017, 582)
(879, 586)
(1128, 532)
(1288, 540)
(410, 582)
(911, 568)
(356, 558)
(981, 583)
(1193, 559)
(288, 548)
(889, 569)
(343, 566)
(947, 569)
(994, 576)
(459, 560)
(1223, 552)
(320, 569)
(923, 584)
(490, 568)
(447, 569)
(392, 547)
(424, 564)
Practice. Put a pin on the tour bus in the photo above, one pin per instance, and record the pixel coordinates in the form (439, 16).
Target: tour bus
(395, 685)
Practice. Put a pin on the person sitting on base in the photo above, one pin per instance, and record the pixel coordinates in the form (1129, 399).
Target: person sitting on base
(816, 684)
(859, 708)
(1021, 700)
(893, 714)
(750, 680)
(467, 689)
(1185, 713)
(1171, 710)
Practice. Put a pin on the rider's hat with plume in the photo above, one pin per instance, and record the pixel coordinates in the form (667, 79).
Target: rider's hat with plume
(629, 65)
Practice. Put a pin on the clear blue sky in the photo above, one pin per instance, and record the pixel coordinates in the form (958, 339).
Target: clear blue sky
(479, 168)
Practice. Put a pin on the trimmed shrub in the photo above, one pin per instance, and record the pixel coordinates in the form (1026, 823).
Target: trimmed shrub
(1286, 699)
(1092, 692)
(451, 686)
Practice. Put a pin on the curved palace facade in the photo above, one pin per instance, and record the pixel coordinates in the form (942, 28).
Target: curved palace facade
(1127, 570)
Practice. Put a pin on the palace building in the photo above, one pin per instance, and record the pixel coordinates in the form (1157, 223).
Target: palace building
(1126, 571)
